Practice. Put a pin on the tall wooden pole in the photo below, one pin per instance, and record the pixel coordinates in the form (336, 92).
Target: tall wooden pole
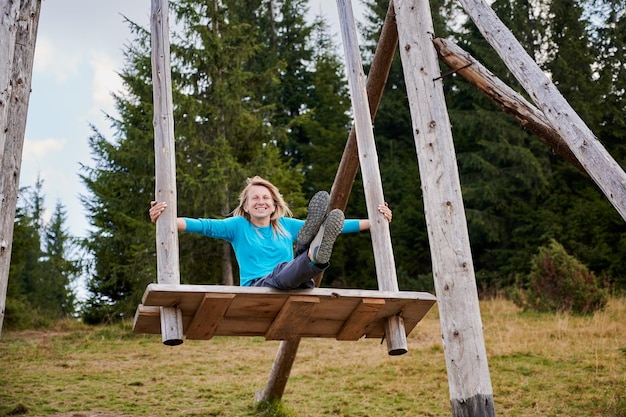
(168, 271)
(594, 158)
(19, 22)
(471, 394)
(376, 81)
(372, 183)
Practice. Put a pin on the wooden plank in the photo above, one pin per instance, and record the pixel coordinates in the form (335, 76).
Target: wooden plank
(208, 316)
(144, 318)
(292, 318)
(253, 310)
(362, 316)
(177, 294)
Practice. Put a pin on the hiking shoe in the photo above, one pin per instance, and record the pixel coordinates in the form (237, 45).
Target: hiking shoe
(322, 246)
(318, 208)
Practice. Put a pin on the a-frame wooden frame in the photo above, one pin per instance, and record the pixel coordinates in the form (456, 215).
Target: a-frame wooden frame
(470, 385)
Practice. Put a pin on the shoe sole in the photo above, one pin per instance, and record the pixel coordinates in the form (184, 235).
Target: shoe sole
(327, 235)
(318, 208)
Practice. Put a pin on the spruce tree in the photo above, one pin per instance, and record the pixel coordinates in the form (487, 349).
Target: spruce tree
(43, 267)
(62, 265)
(22, 300)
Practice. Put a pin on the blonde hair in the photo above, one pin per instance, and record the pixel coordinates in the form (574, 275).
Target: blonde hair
(282, 209)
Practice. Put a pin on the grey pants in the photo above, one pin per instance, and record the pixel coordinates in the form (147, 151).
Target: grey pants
(298, 273)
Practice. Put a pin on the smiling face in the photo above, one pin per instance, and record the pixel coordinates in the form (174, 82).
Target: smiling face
(259, 205)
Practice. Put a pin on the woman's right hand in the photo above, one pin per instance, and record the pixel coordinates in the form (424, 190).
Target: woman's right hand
(155, 210)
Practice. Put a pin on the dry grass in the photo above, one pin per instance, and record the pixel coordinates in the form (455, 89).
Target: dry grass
(540, 365)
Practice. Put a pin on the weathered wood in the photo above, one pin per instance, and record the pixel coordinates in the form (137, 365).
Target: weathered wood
(356, 325)
(9, 183)
(479, 405)
(596, 161)
(504, 97)
(263, 311)
(394, 328)
(376, 80)
(281, 368)
(209, 315)
(292, 318)
(452, 265)
(171, 326)
(19, 22)
(342, 186)
(164, 146)
(370, 171)
(168, 271)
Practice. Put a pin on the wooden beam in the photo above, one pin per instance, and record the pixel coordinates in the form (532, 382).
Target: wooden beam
(504, 97)
(168, 271)
(355, 327)
(451, 256)
(140, 325)
(171, 325)
(370, 171)
(19, 23)
(208, 316)
(376, 81)
(594, 158)
(292, 318)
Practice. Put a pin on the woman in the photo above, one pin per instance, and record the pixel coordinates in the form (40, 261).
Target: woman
(262, 232)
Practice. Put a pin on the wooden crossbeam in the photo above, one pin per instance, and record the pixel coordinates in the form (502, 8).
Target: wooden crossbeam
(292, 318)
(355, 327)
(208, 316)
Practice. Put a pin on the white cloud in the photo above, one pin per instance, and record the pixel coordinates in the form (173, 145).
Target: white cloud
(105, 82)
(36, 150)
(51, 58)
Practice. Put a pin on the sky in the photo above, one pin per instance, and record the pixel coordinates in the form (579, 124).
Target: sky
(79, 51)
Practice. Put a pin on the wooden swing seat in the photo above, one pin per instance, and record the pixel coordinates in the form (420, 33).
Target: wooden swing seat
(218, 310)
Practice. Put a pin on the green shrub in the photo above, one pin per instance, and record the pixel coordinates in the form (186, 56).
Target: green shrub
(559, 282)
(19, 315)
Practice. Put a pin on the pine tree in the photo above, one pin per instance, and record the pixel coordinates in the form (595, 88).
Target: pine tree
(40, 281)
(61, 263)
(22, 302)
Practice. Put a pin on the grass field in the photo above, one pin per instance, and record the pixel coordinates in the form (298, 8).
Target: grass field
(540, 365)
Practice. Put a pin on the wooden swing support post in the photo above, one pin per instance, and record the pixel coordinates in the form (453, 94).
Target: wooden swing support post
(19, 21)
(168, 271)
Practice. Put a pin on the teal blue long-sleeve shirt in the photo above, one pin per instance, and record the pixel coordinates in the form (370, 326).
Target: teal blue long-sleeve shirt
(257, 249)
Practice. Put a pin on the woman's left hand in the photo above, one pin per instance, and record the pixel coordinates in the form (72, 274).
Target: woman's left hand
(385, 211)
